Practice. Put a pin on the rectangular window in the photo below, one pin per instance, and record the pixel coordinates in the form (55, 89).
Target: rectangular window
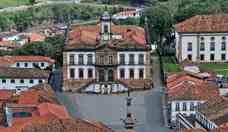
(105, 28)
(40, 81)
(189, 57)
(22, 81)
(132, 74)
(141, 73)
(141, 59)
(72, 60)
(81, 73)
(31, 81)
(42, 64)
(189, 46)
(72, 73)
(202, 46)
(212, 57)
(90, 59)
(192, 107)
(18, 64)
(131, 59)
(101, 59)
(223, 56)
(223, 46)
(177, 107)
(212, 46)
(80, 59)
(122, 73)
(12, 81)
(122, 59)
(26, 64)
(110, 60)
(184, 106)
(3, 80)
(90, 73)
(202, 57)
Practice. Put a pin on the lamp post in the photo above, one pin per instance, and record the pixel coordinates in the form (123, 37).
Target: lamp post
(129, 121)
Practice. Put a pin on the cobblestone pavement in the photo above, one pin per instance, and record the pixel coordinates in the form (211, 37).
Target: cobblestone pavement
(146, 108)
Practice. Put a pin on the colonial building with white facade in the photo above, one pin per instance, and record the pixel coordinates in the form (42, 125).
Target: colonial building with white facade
(186, 92)
(106, 58)
(21, 79)
(203, 38)
(26, 61)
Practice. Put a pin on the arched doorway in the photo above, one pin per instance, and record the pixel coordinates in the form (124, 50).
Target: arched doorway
(110, 75)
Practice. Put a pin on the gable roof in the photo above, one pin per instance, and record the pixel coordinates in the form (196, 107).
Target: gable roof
(6, 60)
(88, 36)
(38, 94)
(8, 72)
(187, 87)
(204, 24)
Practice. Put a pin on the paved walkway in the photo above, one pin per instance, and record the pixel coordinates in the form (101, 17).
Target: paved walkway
(147, 107)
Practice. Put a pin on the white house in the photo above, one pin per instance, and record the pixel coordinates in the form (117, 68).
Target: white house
(21, 78)
(26, 61)
(186, 92)
(203, 38)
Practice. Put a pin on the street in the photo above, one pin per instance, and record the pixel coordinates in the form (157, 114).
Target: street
(146, 107)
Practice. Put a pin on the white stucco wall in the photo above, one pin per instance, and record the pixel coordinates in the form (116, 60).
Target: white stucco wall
(188, 112)
(18, 85)
(77, 67)
(30, 64)
(192, 37)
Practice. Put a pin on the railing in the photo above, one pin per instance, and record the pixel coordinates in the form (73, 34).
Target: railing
(184, 122)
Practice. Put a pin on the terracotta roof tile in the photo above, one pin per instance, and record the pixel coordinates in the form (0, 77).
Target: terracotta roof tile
(216, 110)
(8, 72)
(183, 86)
(6, 94)
(34, 37)
(38, 94)
(14, 59)
(204, 24)
(88, 35)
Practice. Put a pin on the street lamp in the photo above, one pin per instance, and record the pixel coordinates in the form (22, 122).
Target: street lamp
(129, 121)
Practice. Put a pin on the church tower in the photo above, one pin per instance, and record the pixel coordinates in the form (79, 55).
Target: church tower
(105, 26)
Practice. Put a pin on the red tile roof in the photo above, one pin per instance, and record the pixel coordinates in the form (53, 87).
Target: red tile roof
(13, 59)
(183, 86)
(204, 24)
(88, 36)
(59, 111)
(8, 72)
(216, 110)
(34, 37)
(6, 94)
(38, 94)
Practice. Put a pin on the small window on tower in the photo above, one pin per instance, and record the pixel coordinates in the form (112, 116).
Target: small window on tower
(105, 28)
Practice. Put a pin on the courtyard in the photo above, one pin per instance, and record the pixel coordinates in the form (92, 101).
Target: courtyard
(146, 106)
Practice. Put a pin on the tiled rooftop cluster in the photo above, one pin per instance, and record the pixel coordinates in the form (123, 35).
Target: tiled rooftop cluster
(204, 24)
(37, 110)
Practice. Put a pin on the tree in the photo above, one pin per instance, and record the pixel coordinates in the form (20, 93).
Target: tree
(160, 24)
(32, 2)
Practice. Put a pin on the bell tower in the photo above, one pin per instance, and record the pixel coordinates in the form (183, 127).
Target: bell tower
(105, 30)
